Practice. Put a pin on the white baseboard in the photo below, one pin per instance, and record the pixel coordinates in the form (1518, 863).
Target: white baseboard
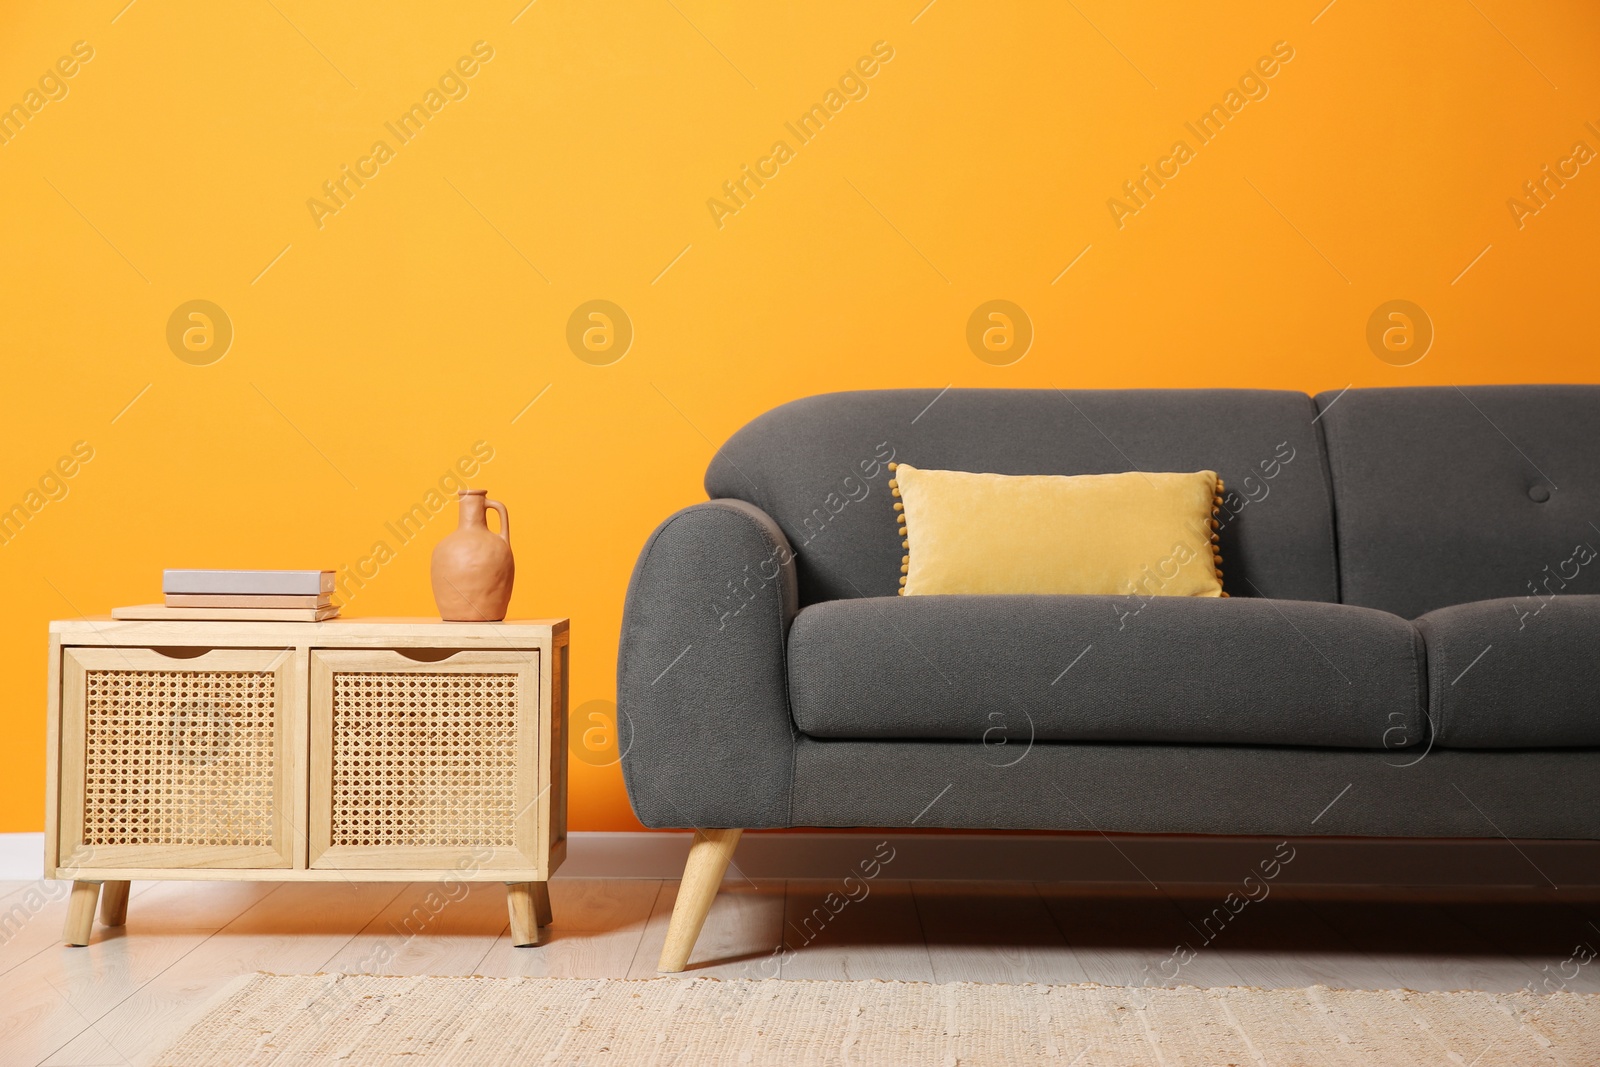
(1086, 858)
(21, 857)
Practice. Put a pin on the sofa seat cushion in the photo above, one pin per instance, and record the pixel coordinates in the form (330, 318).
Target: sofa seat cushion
(1002, 670)
(1518, 672)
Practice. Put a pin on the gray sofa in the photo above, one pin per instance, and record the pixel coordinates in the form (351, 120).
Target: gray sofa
(1407, 651)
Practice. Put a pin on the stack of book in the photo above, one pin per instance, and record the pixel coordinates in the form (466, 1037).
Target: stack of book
(241, 596)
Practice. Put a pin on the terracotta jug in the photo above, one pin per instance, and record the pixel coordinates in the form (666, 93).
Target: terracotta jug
(472, 566)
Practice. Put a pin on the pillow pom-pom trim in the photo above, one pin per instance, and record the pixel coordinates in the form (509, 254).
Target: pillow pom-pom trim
(1216, 539)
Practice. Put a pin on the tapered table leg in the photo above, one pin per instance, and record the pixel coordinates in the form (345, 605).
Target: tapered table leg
(114, 903)
(541, 903)
(521, 901)
(80, 912)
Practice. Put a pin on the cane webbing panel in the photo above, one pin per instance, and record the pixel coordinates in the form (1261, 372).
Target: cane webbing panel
(179, 757)
(424, 759)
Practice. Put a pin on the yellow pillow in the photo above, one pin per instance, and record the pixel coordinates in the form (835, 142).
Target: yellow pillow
(1147, 534)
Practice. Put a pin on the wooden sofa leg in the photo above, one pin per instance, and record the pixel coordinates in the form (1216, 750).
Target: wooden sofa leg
(80, 912)
(708, 862)
(114, 903)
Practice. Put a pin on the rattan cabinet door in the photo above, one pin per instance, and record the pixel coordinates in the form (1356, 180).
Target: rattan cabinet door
(178, 761)
(425, 760)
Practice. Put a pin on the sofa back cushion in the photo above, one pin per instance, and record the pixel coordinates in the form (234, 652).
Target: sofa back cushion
(1448, 495)
(819, 467)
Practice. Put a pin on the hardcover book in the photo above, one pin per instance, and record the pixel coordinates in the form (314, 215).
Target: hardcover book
(255, 583)
(246, 600)
(161, 611)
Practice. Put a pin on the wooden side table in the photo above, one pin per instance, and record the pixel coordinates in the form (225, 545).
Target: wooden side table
(351, 750)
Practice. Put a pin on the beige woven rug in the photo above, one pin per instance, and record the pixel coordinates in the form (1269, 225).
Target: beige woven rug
(356, 1020)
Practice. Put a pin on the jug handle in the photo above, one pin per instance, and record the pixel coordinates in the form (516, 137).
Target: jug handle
(505, 519)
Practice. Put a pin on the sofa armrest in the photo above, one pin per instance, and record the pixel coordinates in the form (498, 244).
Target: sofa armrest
(702, 679)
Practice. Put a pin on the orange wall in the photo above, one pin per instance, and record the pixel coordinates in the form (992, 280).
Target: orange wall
(424, 314)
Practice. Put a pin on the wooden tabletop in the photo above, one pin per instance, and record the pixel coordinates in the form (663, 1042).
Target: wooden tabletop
(103, 630)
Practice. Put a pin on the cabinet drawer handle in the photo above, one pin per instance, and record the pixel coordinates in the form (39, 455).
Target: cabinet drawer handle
(196, 651)
(428, 655)
(181, 651)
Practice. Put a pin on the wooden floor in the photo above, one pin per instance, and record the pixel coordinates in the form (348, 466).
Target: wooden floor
(132, 990)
